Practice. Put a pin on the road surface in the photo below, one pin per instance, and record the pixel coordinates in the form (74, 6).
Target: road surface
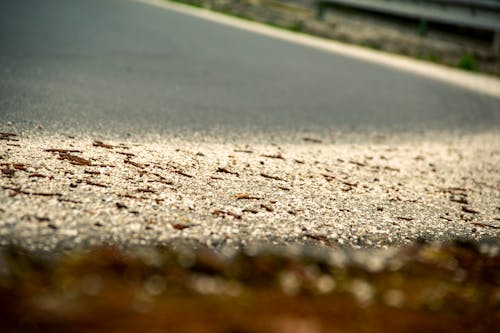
(123, 66)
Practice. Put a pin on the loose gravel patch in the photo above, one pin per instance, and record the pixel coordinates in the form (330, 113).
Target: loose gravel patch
(61, 192)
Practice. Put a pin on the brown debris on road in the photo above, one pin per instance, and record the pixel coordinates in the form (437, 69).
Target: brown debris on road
(73, 159)
(137, 165)
(265, 175)
(257, 200)
(101, 144)
(246, 196)
(8, 136)
(223, 213)
(226, 170)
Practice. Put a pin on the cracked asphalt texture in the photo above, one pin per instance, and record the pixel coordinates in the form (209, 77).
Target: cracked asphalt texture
(60, 192)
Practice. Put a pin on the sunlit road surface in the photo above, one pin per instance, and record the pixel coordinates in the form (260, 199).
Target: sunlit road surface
(126, 123)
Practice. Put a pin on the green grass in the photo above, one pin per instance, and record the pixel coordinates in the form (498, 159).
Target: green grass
(468, 62)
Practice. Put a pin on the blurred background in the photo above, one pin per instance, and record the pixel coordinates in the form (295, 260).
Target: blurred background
(462, 33)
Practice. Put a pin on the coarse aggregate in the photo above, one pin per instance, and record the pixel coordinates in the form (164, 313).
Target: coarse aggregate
(63, 191)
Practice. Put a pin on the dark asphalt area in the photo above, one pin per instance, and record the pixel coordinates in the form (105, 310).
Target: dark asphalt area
(121, 66)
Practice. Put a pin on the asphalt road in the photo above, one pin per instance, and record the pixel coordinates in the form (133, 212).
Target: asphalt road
(128, 67)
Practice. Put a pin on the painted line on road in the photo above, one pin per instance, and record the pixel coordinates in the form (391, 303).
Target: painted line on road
(476, 82)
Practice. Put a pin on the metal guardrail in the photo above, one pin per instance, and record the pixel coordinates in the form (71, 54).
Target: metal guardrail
(478, 14)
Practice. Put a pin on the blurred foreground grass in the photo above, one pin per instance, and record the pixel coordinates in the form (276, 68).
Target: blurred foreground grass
(424, 288)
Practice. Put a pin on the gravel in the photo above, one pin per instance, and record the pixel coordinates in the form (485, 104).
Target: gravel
(63, 192)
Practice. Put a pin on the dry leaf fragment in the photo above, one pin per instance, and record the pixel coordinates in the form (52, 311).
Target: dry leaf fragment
(250, 210)
(162, 181)
(246, 196)
(18, 190)
(223, 213)
(485, 225)
(455, 190)
(461, 200)
(88, 182)
(8, 172)
(275, 156)
(19, 166)
(265, 175)
(312, 140)
(8, 136)
(137, 165)
(129, 196)
(146, 190)
(469, 210)
(159, 176)
(391, 168)
(120, 205)
(102, 144)
(358, 163)
(320, 238)
(328, 177)
(73, 159)
(348, 183)
(125, 153)
(62, 151)
(38, 175)
(182, 173)
(226, 170)
(68, 200)
(180, 226)
(43, 194)
(267, 207)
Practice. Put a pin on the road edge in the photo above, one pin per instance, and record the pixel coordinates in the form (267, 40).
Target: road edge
(476, 82)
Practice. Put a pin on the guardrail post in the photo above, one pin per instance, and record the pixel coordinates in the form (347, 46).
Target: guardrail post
(496, 43)
(320, 10)
(422, 28)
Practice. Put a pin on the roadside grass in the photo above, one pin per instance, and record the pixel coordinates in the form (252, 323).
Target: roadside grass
(468, 63)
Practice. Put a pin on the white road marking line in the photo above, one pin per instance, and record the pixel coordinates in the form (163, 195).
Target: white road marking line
(476, 82)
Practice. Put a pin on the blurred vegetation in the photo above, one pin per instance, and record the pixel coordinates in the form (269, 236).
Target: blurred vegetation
(422, 288)
(468, 62)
